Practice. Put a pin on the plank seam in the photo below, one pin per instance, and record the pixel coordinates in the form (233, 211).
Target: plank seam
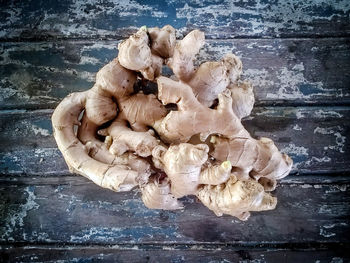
(200, 246)
(312, 179)
(340, 106)
(262, 103)
(89, 39)
(208, 37)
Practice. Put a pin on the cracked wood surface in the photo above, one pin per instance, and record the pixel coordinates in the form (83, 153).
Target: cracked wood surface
(170, 254)
(296, 53)
(74, 210)
(219, 19)
(282, 71)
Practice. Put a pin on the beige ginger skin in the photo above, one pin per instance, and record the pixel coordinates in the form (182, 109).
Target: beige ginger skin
(183, 138)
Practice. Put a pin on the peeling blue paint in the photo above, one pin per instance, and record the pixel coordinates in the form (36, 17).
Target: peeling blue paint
(44, 124)
(309, 89)
(219, 19)
(134, 233)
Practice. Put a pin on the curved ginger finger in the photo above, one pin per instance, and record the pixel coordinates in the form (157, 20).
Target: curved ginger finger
(216, 174)
(184, 53)
(124, 139)
(236, 198)
(99, 151)
(65, 116)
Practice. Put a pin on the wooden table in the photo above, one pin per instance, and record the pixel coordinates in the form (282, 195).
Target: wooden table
(297, 55)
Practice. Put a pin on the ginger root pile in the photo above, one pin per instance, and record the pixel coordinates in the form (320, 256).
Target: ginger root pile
(184, 138)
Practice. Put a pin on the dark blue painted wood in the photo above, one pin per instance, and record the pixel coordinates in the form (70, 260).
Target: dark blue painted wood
(219, 19)
(74, 210)
(174, 254)
(312, 217)
(292, 72)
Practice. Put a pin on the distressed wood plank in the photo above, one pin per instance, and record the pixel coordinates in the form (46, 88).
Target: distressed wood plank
(74, 210)
(219, 19)
(316, 138)
(170, 254)
(287, 71)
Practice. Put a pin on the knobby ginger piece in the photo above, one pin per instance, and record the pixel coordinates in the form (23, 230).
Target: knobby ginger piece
(162, 41)
(184, 137)
(157, 195)
(183, 164)
(259, 159)
(198, 117)
(236, 198)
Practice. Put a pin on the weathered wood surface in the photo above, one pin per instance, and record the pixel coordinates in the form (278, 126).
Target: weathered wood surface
(296, 53)
(220, 19)
(338, 254)
(315, 138)
(74, 210)
(283, 71)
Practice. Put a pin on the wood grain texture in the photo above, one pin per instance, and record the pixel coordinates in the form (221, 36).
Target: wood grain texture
(315, 138)
(283, 72)
(297, 55)
(220, 19)
(74, 210)
(173, 254)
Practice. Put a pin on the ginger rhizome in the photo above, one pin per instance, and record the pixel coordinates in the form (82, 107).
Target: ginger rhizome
(171, 136)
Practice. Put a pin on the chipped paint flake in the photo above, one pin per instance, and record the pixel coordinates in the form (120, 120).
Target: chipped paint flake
(256, 260)
(337, 189)
(81, 10)
(101, 45)
(15, 217)
(305, 186)
(211, 49)
(313, 160)
(326, 230)
(110, 234)
(89, 60)
(328, 114)
(292, 15)
(40, 131)
(296, 127)
(290, 83)
(326, 233)
(19, 81)
(339, 138)
(336, 260)
(258, 77)
(14, 15)
(295, 150)
(254, 18)
(300, 114)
